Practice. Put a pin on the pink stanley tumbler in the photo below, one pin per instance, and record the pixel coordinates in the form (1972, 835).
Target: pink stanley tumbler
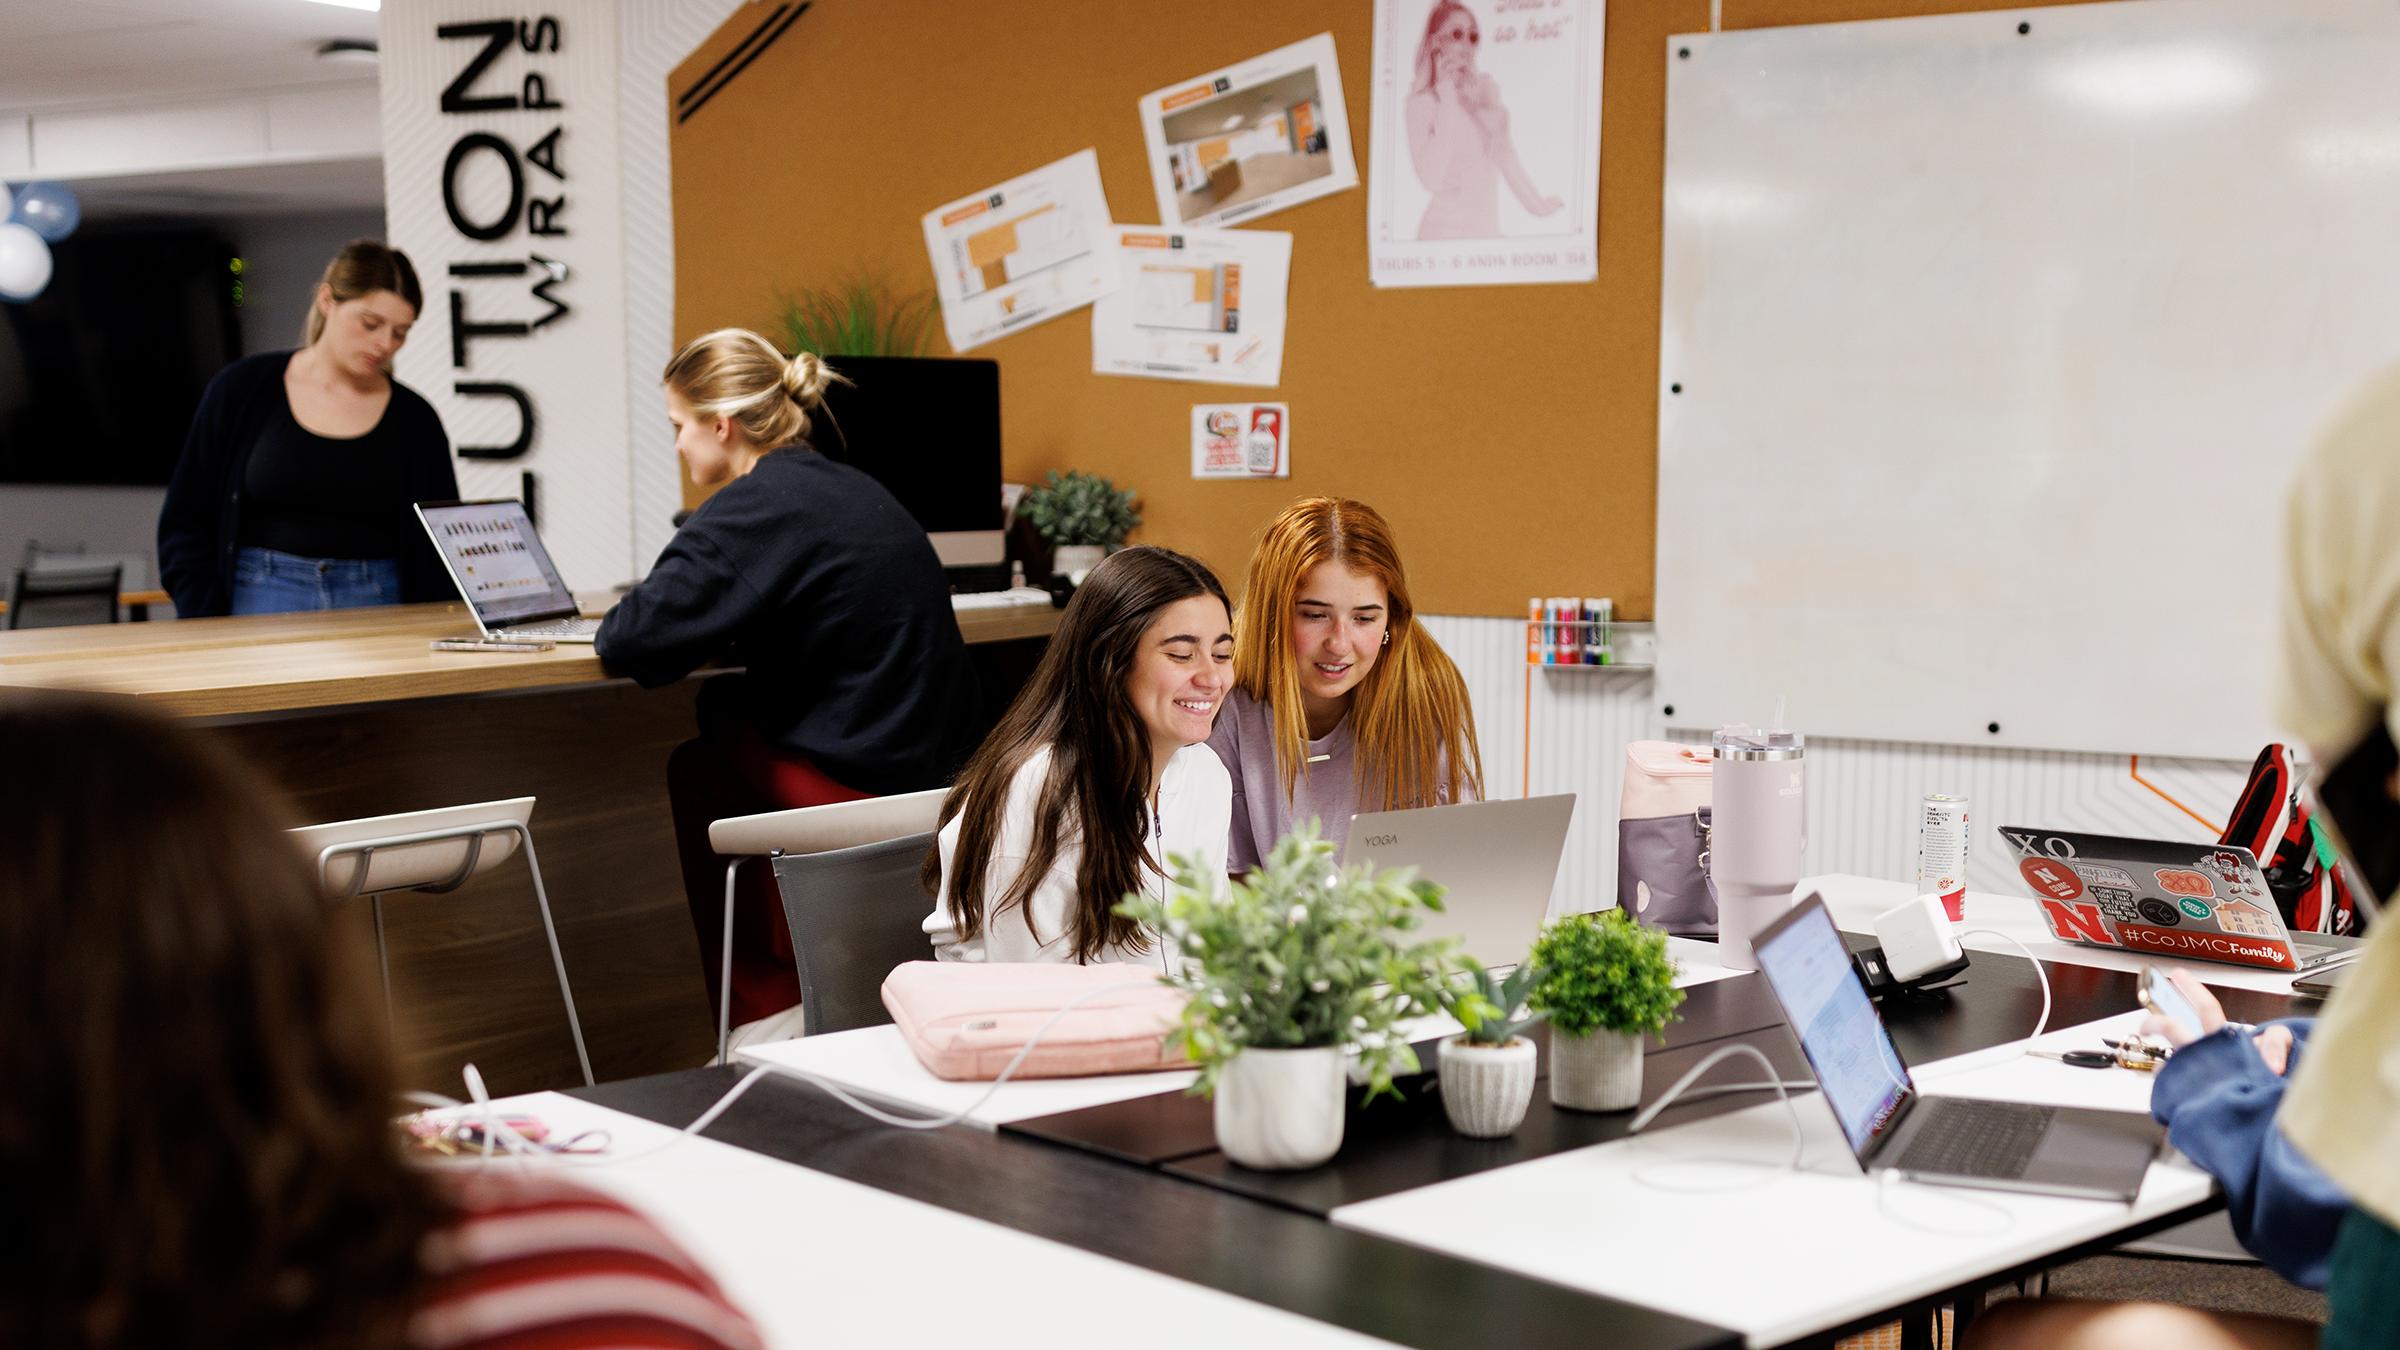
(1758, 833)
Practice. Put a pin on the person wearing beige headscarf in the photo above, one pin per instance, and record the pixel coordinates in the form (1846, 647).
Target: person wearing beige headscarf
(2340, 648)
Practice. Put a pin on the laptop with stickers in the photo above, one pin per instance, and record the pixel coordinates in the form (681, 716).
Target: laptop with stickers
(2200, 902)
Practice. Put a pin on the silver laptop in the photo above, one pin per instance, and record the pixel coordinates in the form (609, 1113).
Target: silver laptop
(1496, 862)
(1956, 1141)
(503, 572)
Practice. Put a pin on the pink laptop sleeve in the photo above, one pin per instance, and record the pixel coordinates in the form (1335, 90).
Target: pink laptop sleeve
(967, 1021)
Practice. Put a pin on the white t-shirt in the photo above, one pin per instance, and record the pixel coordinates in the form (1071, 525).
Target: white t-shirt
(1195, 808)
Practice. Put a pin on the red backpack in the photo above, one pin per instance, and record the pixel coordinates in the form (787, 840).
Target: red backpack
(2271, 821)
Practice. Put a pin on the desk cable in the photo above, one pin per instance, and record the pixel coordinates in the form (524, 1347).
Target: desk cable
(496, 1131)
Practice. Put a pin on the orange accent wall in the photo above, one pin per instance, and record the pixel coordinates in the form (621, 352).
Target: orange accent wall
(1509, 433)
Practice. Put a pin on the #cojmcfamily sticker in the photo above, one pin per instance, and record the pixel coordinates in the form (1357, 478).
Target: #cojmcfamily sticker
(1241, 440)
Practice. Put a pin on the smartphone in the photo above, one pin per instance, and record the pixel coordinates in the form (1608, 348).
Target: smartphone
(480, 645)
(2159, 995)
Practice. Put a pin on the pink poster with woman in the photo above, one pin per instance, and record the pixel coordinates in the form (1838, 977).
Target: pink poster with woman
(1484, 163)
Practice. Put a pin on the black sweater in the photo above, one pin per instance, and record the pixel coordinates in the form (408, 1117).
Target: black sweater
(201, 523)
(809, 575)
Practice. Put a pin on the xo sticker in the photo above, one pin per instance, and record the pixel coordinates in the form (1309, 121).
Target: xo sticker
(2159, 912)
(2050, 877)
(2198, 909)
(2185, 881)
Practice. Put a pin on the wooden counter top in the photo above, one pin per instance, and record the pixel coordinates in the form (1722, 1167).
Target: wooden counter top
(280, 662)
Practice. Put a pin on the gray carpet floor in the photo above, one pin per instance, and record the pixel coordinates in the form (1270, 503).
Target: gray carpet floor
(2220, 1285)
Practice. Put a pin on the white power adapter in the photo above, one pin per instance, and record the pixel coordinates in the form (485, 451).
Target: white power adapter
(1917, 939)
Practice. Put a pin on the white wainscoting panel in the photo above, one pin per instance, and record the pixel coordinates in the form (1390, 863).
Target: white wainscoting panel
(1862, 795)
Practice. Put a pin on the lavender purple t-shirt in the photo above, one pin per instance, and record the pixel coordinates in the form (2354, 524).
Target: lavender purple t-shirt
(1326, 789)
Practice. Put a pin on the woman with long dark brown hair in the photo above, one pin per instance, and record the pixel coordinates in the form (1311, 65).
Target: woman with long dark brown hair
(1095, 777)
(195, 1093)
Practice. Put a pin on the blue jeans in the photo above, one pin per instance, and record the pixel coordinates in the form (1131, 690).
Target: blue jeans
(268, 582)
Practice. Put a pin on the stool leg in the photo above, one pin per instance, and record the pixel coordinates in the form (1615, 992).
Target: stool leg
(558, 960)
(725, 972)
(383, 963)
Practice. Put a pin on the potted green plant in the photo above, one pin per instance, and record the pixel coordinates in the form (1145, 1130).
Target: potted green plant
(1084, 516)
(1487, 1070)
(1292, 972)
(1606, 981)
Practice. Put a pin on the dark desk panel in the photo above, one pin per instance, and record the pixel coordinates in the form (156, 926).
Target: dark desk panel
(1207, 1236)
(1392, 1147)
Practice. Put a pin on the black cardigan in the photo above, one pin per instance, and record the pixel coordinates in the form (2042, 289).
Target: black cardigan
(813, 578)
(198, 526)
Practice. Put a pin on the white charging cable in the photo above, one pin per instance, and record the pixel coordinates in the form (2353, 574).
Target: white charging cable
(496, 1130)
(1709, 1061)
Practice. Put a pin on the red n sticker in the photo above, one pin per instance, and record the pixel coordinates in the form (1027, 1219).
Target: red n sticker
(2050, 877)
(2076, 923)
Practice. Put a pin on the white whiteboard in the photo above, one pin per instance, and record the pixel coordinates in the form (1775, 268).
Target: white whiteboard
(1995, 352)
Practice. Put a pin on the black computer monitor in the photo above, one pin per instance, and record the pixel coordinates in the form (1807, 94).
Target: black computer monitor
(929, 431)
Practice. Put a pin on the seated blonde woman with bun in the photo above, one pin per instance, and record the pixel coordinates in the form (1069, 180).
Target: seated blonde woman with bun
(821, 586)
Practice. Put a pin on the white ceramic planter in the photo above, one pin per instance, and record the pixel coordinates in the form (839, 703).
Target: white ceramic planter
(1486, 1088)
(1278, 1110)
(1599, 1072)
(1073, 560)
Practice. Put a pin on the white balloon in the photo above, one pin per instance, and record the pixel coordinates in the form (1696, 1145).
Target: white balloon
(24, 262)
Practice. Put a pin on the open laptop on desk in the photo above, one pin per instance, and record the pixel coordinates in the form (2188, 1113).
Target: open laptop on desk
(1957, 1141)
(503, 572)
(2204, 902)
(1496, 863)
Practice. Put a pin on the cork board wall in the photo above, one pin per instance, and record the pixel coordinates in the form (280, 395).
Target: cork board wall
(1509, 433)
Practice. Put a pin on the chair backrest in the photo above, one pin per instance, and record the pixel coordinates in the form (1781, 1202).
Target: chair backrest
(816, 829)
(402, 867)
(57, 597)
(855, 914)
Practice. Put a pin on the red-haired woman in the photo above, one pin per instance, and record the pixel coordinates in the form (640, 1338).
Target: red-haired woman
(1342, 702)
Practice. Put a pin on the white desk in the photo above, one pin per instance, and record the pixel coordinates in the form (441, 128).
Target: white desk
(876, 1064)
(1855, 901)
(1778, 1254)
(819, 1261)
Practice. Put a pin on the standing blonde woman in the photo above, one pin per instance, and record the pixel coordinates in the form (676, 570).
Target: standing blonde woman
(294, 486)
(816, 581)
(1342, 702)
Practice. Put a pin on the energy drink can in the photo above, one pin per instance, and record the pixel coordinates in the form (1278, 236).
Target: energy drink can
(1942, 836)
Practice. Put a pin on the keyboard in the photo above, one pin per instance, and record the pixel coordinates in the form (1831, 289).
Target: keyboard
(1008, 599)
(567, 629)
(1963, 1137)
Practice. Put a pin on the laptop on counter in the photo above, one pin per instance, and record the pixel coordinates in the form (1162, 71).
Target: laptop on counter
(2200, 902)
(1955, 1141)
(503, 572)
(1495, 861)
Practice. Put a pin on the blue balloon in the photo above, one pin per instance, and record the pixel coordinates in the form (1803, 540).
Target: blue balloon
(50, 208)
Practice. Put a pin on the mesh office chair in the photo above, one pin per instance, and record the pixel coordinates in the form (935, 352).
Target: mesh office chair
(434, 852)
(56, 597)
(855, 914)
(808, 830)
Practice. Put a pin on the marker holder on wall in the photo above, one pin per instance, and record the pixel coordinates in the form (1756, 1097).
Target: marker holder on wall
(1573, 633)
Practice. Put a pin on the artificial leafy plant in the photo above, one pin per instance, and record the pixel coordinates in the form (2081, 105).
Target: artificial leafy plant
(1604, 971)
(1492, 1011)
(1299, 954)
(1080, 508)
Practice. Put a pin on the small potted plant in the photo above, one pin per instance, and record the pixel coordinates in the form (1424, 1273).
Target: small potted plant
(1292, 972)
(1487, 1070)
(1084, 517)
(1605, 981)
